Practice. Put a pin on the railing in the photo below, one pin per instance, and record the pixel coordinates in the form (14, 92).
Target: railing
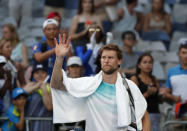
(172, 122)
(29, 119)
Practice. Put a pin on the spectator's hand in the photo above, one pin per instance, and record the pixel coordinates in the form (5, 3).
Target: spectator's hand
(43, 86)
(151, 90)
(176, 98)
(92, 43)
(21, 104)
(63, 47)
(7, 75)
(120, 13)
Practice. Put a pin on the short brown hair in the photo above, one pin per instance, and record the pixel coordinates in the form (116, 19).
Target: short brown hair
(112, 47)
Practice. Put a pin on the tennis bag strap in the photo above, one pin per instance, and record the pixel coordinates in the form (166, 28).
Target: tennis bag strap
(133, 117)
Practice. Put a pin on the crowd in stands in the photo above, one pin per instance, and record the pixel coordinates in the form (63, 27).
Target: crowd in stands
(152, 35)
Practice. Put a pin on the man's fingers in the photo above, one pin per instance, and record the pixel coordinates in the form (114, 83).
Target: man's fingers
(60, 39)
(56, 43)
(64, 38)
(69, 40)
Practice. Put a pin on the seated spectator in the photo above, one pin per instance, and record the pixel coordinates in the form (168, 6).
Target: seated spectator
(106, 10)
(17, 73)
(16, 111)
(175, 87)
(81, 22)
(128, 19)
(95, 38)
(56, 16)
(5, 84)
(19, 53)
(21, 11)
(39, 99)
(157, 25)
(44, 52)
(130, 57)
(54, 6)
(74, 70)
(149, 86)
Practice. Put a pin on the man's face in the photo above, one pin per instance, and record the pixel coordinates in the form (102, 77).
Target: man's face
(75, 71)
(20, 100)
(183, 56)
(51, 31)
(109, 61)
(129, 41)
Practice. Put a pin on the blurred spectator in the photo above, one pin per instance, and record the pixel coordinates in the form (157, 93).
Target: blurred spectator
(5, 83)
(19, 53)
(56, 16)
(16, 111)
(81, 22)
(54, 6)
(175, 88)
(106, 10)
(21, 11)
(44, 52)
(149, 86)
(39, 100)
(74, 70)
(157, 25)
(17, 74)
(128, 19)
(95, 38)
(130, 57)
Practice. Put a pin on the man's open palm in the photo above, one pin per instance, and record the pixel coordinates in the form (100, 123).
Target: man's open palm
(63, 47)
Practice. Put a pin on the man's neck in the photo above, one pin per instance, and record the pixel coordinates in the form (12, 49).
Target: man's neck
(184, 66)
(110, 78)
(128, 50)
(50, 43)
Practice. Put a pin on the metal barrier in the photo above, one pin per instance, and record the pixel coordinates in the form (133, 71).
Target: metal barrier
(167, 123)
(28, 119)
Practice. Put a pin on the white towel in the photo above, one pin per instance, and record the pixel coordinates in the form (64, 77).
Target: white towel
(85, 86)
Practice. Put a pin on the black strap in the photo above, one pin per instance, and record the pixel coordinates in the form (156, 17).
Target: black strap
(131, 100)
(129, 92)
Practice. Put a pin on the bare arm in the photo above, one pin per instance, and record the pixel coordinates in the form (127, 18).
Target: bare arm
(24, 62)
(146, 23)
(32, 86)
(21, 108)
(105, 3)
(46, 97)
(73, 29)
(61, 50)
(146, 122)
(40, 57)
(168, 24)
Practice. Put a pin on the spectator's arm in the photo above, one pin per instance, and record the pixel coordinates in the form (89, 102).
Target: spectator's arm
(128, 71)
(84, 56)
(139, 22)
(73, 29)
(46, 97)
(7, 85)
(32, 86)
(104, 3)
(120, 13)
(40, 57)
(146, 122)
(21, 108)
(24, 62)
(146, 23)
(168, 24)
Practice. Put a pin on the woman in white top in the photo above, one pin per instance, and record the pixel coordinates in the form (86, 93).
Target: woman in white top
(19, 52)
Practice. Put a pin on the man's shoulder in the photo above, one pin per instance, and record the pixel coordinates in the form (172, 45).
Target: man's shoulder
(175, 70)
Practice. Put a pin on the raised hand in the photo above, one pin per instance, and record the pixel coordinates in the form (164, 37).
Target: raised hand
(63, 47)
